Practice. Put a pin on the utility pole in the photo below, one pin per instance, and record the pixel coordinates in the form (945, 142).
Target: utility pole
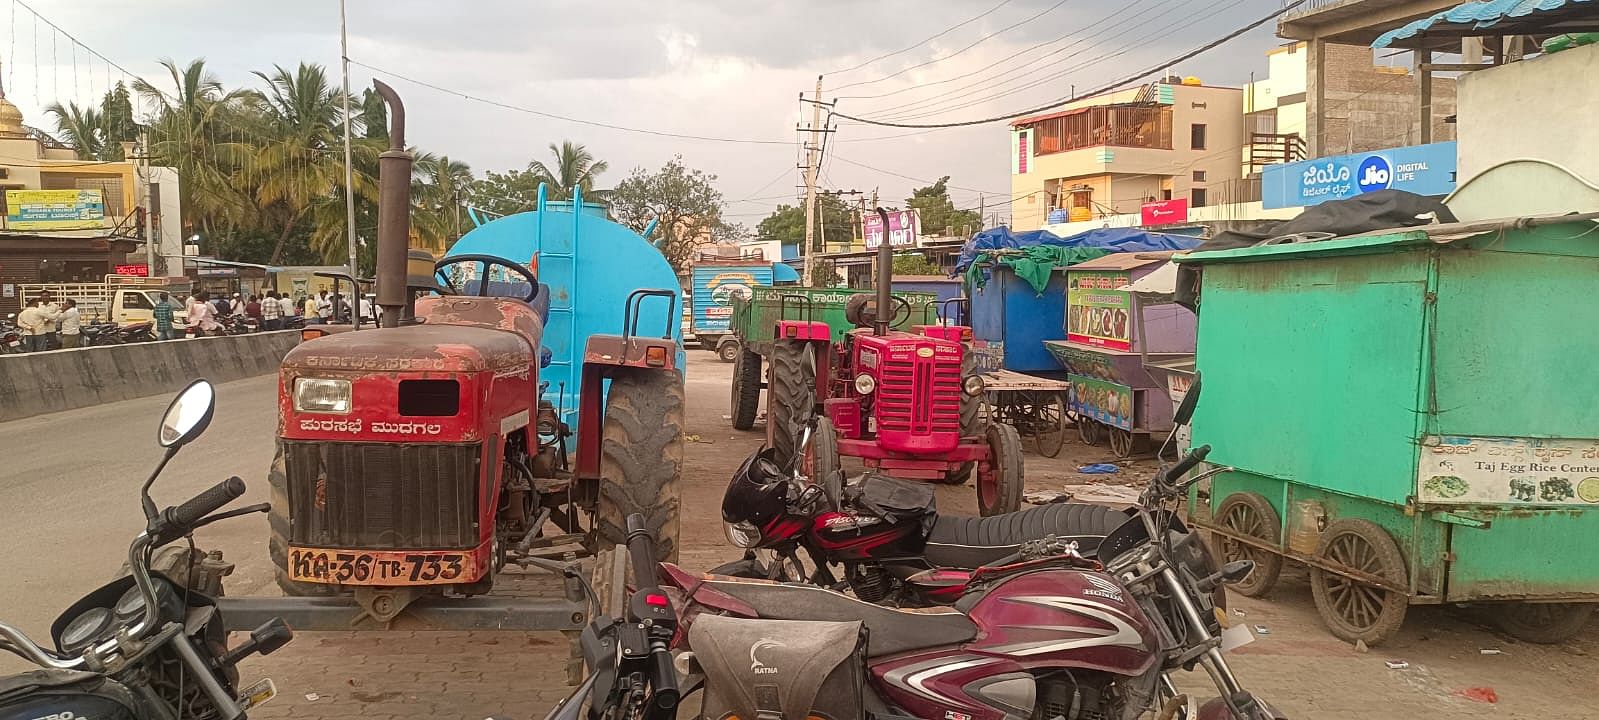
(349, 170)
(811, 161)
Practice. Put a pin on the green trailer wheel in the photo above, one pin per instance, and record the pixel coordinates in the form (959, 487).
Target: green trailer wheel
(1249, 514)
(1543, 623)
(746, 389)
(1354, 610)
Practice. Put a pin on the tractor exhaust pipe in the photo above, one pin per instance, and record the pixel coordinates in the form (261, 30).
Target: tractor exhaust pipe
(394, 214)
(885, 278)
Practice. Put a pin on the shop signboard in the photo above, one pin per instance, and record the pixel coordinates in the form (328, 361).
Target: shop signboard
(1106, 402)
(904, 228)
(1465, 470)
(1421, 169)
(1096, 312)
(133, 270)
(54, 210)
(1163, 212)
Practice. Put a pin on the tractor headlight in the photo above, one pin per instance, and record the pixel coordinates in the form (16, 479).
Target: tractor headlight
(742, 534)
(865, 384)
(321, 395)
(972, 385)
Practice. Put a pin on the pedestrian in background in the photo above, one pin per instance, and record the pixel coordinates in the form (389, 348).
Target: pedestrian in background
(52, 313)
(288, 305)
(309, 311)
(271, 312)
(32, 322)
(324, 307)
(162, 312)
(236, 307)
(219, 306)
(203, 315)
(71, 325)
(252, 311)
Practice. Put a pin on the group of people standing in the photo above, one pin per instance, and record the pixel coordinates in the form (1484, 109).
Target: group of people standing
(45, 324)
(272, 311)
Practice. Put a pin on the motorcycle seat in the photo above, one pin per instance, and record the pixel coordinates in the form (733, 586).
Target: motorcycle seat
(890, 630)
(971, 542)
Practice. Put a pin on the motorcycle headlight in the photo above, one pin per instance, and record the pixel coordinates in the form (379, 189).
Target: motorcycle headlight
(865, 384)
(742, 534)
(972, 385)
(321, 395)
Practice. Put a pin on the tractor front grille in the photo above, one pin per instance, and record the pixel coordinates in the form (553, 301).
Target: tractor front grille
(919, 396)
(382, 496)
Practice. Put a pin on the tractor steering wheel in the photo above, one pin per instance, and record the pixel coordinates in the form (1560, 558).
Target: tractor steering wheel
(901, 307)
(486, 261)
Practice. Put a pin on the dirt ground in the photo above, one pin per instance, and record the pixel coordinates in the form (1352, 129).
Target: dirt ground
(1295, 664)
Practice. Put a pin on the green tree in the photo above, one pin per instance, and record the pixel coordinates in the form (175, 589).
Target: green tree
(81, 128)
(684, 201)
(787, 223)
(938, 213)
(914, 264)
(575, 167)
(189, 133)
(438, 190)
(117, 122)
(504, 193)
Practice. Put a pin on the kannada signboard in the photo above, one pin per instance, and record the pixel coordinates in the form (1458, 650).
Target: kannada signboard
(54, 210)
(1096, 312)
(1106, 402)
(139, 270)
(1163, 212)
(1463, 470)
(904, 227)
(1421, 169)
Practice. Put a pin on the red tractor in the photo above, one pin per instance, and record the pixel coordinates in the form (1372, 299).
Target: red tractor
(419, 459)
(905, 403)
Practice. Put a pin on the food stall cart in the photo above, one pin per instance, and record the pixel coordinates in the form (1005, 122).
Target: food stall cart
(1411, 414)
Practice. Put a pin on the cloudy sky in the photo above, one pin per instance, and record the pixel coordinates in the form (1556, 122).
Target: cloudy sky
(714, 68)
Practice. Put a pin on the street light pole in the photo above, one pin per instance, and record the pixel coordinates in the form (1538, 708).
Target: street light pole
(349, 168)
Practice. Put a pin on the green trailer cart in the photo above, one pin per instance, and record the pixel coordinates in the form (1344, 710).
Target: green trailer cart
(1412, 414)
(755, 318)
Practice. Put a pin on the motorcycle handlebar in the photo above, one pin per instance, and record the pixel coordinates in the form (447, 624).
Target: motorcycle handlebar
(1194, 457)
(641, 550)
(178, 520)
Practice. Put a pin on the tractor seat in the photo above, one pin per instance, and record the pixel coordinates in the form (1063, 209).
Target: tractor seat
(971, 542)
(891, 630)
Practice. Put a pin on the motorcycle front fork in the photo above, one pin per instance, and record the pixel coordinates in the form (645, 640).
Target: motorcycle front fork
(1239, 701)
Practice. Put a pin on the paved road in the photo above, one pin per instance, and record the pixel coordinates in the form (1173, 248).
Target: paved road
(68, 485)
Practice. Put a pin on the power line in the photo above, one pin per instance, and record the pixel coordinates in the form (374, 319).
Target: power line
(1107, 88)
(1180, 25)
(942, 33)
(942, 58)
(907, 177)
(565, 118)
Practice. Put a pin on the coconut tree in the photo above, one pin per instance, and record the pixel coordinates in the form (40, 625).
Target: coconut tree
(193, 130)
(575, 167)
(81, 128)
(439, 188)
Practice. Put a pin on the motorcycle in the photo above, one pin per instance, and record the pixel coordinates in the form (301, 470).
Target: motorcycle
(137, 332)
(1058, 635)
(149, 645)
(887, 536)
(101, 334)
(10, 336)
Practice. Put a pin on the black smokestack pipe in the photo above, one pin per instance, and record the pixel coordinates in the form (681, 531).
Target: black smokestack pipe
(394, 214)
(885, 278)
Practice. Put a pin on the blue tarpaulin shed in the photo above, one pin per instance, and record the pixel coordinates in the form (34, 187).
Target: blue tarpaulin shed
(1113, 240)
(1484, 17)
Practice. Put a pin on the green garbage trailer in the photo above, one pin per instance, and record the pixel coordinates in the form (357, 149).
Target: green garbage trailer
(1412, 414)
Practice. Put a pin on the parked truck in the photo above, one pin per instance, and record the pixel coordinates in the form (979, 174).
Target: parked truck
(122, 299)
(717, 282)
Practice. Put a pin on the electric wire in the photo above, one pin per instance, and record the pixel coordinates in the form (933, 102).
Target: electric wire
(1115, 85)
(942, 58)
(909, 48)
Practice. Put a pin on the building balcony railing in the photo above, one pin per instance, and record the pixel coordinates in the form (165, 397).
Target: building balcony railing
(1271, 148)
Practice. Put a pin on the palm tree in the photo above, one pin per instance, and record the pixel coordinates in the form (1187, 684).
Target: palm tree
(438, 191)
(80, 128)
(192, 132)
(574, 167)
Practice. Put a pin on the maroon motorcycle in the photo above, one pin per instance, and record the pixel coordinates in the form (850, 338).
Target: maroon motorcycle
(887, 537)
(1046, 637)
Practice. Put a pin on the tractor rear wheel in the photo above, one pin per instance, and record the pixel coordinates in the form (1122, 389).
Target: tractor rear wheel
(971, 419)
(278, 539)
(746, 389)
(790, 396)
(999, 478)
(641, 459)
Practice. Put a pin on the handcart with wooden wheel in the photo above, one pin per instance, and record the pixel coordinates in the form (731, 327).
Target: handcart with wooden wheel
(1033, 404)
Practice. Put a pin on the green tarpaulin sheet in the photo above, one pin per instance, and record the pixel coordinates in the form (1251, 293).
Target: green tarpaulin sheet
(1033, 264)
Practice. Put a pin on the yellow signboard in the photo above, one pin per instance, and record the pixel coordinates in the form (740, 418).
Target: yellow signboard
(54, 210)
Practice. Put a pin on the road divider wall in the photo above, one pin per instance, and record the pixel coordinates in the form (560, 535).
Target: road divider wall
(47, 382)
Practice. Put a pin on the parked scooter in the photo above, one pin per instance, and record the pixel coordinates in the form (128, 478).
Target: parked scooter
(1054, 636)
(10, 336)
(147, 645)
(888, 538)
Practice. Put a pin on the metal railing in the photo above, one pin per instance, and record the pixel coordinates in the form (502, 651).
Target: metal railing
(1271, 148)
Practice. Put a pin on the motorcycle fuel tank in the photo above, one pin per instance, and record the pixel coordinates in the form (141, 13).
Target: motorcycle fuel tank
(1065, 618)
(849, 536)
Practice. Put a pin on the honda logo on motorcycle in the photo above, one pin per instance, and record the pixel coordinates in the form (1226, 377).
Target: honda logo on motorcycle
(1103, 587)
(758, 667)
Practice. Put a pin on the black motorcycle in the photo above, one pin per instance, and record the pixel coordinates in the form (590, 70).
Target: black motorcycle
(149, 645)
(101, 334)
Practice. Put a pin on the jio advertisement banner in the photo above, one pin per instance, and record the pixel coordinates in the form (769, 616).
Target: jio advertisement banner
(1421, 169)
(904, 229)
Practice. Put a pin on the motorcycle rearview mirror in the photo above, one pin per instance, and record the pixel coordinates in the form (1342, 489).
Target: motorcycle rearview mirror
(186, 417)
(1185, 409)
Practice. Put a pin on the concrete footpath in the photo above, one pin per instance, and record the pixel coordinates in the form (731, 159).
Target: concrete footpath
(47, 382)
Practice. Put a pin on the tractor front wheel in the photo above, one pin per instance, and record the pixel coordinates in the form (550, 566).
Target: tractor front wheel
(971, 419)
(641, 459)
(999, 478)
(790, 396)
(746, 389)
(278, 538)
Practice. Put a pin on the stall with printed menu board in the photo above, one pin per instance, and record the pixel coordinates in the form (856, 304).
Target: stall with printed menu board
(1111, 339)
